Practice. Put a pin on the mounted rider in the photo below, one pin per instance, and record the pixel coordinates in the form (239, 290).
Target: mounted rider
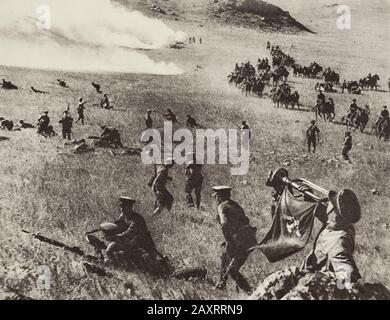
(383, 116)
(353, 111)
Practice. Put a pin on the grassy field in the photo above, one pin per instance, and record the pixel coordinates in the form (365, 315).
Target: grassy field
(47, 189)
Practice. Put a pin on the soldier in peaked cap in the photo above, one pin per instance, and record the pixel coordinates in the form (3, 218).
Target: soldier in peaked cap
(335, 244)
(164, 199)
(129, 239)
(239, 238)
(194, 180)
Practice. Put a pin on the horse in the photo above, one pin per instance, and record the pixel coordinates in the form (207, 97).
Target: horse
(361, 120)
(382, 130)
(373, 82)
(325, 110)
(293, 99)
(246, 87)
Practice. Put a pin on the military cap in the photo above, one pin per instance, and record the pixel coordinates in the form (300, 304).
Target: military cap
(346, 205)
(149, 110)
(108, 227)
(220, 189)
(126, 200)
(46, 112)
(354, 100)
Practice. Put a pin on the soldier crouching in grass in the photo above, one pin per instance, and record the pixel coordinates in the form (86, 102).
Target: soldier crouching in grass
(334, 246)
(239, 238)
(129, 241)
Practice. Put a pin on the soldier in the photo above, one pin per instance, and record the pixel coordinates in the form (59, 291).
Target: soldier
(384, 115)
(191, 122)
(164, 199)
(239, 238)
(312, 136)
(321, 98)
(111, 136)
(25, 125)
(80, 110)
(67, 123)
(105, 103)
(333, 249)
(130, 239)
(194, 180)
(347, 145)
(148, 119)
(367, 109)
(43, 123)
(352, 112)
(170, 116)
(244, 126)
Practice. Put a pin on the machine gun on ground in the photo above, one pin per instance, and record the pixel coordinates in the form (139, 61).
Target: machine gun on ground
(92, 261)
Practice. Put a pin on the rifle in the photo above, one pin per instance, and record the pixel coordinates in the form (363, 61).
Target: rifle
(78, 251)
(235, 124)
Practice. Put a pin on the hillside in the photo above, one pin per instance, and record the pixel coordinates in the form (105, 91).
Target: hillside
(46, 188)
(255, 14)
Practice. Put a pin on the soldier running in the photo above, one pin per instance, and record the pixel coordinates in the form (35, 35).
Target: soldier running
(239, 238)
(194, 180)
(80, 110)
(312, 136)
(333, 249)
(67, 123)
(148, 119)
(164, 199)
(347, 145)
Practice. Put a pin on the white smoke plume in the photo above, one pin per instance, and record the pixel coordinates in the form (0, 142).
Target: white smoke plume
(87, 35)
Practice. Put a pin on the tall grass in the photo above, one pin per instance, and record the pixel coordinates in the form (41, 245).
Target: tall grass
(47, 189)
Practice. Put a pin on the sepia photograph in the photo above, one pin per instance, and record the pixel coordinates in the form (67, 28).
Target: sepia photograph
(223, 151)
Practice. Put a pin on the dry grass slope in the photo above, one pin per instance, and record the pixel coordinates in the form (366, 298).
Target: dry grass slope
(45, 188)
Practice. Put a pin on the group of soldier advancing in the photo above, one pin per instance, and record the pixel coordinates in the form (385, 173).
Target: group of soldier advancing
(129, 238)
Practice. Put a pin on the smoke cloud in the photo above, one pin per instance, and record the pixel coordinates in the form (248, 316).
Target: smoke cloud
(87, 35)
